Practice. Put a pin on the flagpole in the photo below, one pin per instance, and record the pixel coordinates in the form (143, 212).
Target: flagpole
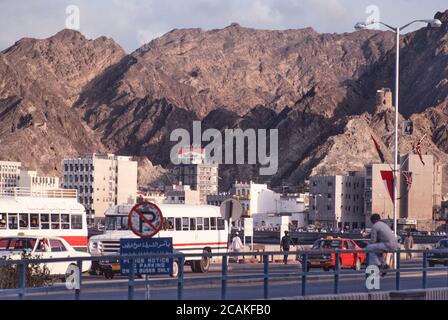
(397, 80)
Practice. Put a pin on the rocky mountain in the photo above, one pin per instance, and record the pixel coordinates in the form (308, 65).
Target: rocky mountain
(67, 95)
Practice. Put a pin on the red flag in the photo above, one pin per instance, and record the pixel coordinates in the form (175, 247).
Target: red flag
(388, 177)
(378, 149)
(418, 150)
(408, 178)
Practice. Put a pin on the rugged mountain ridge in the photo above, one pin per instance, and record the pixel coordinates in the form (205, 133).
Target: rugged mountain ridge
(67, 95)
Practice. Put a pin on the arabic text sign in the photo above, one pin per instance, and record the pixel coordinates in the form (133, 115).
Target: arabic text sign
(145, 220)
(147, 266)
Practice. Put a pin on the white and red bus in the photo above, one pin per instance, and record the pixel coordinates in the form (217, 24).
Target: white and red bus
(194, 230)
(47, 213)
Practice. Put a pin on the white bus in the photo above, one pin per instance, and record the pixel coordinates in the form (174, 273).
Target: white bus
(194, 230)
(43, 213)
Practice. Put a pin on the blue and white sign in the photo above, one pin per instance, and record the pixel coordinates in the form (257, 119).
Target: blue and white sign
(147, 266)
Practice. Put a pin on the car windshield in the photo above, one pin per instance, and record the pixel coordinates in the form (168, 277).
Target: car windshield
(327, 244)
(443, 244)
(114, 223)
(17, 244)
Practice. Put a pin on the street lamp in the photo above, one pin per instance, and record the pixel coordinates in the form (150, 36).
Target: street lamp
(434, 23)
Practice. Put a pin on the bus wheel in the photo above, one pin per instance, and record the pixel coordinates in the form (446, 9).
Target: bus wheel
(203, 265)
(175, 272)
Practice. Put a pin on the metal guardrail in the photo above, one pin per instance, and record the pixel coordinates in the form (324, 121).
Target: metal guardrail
(302, 273)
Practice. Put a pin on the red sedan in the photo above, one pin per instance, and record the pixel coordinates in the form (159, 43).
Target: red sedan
(350, 260)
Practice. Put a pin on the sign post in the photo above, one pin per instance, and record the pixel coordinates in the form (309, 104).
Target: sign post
(145, 221)
(231, 210)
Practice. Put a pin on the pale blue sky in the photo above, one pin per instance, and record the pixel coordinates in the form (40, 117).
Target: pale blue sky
(134, 22)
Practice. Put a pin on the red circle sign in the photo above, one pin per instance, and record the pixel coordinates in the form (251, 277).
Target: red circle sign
(145, 219)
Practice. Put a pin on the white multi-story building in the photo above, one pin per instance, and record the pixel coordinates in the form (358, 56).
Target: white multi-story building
(32, 181)
(9, 174)
(102, 181)
(337, 201)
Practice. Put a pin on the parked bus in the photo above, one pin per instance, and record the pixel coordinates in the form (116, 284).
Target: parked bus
(43, 213)
(194, 230)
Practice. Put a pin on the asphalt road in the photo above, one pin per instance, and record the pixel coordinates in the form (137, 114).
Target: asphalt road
(246, 289)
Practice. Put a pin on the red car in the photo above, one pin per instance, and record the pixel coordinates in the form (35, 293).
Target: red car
(349, 260)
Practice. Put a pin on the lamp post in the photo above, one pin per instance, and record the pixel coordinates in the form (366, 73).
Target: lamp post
(434, 23)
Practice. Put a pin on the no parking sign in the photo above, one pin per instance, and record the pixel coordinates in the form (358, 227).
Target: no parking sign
(145, 219)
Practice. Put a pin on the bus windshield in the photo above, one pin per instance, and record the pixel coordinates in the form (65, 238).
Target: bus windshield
(114, 223)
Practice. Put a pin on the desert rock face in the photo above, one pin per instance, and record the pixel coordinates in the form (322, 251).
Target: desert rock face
(67, 95)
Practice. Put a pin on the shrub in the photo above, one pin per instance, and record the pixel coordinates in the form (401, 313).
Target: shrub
(37, 275)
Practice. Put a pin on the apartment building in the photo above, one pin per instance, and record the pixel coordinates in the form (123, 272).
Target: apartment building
(9, 174)
(102, 181)
(31, 180)
(337, 201)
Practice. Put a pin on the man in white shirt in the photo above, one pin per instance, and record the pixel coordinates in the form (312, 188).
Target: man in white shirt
(237, 244)
(383, 240)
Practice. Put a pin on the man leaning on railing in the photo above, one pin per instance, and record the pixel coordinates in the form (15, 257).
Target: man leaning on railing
(383, 241)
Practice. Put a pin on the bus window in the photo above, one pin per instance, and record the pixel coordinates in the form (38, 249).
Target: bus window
(168, 224)
(45, 221)
(34, 221)
(221, 224)
(192, 223)
(65, 221)
(12, 221)
(77, 222)
(2, 220)
(55, 221)
(178, 224)
(185, 224)
(212, 223)
(23, 220)
(206, 223)
(200, 224)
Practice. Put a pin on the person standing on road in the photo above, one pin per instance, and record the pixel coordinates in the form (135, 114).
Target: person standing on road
(383, 240)
(237, 245)
(408, 245)
(285, 245)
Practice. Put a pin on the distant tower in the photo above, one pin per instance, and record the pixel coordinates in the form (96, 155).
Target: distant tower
(384, 99)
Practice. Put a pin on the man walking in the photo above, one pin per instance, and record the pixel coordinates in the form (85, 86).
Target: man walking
(383, 240)
(408, 245)
(286, 245)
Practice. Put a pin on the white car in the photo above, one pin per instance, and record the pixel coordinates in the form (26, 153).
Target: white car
(43, 248)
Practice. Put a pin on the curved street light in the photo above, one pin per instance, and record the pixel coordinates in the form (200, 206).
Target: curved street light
(434, 23)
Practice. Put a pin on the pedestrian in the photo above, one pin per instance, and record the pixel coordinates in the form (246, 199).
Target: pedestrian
(237, 245)
(383, 241)
(285, 245)
(408, 245)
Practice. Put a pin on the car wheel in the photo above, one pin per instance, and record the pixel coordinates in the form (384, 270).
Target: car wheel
(175, 272)
(358, 265)
(326, 269)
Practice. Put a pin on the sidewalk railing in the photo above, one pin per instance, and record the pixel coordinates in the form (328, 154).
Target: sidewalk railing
(302, 273)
